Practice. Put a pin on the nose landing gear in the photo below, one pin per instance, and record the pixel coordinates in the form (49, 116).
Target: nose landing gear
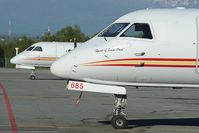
(32, 75)
(118, 120)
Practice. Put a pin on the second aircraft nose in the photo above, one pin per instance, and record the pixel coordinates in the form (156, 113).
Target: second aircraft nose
(13, 60)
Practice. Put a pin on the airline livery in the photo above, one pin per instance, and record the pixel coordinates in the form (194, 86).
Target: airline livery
(152, 47)
(41, 54)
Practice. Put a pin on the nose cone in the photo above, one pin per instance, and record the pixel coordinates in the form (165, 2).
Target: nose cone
(14, 60)
(60, 68)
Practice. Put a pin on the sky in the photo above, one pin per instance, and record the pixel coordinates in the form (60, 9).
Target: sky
(33, 17)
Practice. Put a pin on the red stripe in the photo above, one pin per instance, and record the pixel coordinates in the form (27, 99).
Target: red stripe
(151, 59)
(184, 66)
(9, 109)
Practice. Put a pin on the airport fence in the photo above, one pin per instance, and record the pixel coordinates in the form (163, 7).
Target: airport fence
(5, 62)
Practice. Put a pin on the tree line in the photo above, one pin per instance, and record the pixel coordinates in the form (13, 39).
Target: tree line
(66, 34)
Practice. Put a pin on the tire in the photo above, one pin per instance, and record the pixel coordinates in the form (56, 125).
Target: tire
(119, 122)
(32, 77)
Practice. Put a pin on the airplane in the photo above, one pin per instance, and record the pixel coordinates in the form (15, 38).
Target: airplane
(144, 48)
(41, 54)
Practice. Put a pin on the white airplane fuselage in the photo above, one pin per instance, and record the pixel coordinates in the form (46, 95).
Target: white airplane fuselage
(167, 56)
(157, 47)
(42, 54)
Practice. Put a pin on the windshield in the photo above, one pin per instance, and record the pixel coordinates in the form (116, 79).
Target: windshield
(138, 30)
(113, 30)
(38, 48)
(30, 48)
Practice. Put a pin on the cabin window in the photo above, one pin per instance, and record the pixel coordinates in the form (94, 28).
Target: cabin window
(138, 30)
(30, 48)
(113, 30)
(38, 48)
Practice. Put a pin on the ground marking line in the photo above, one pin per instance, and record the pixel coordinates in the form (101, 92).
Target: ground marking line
(9, 110)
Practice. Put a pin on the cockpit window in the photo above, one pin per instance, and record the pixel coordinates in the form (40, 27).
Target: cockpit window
(113, 30)
(138, 30)
(38, 48)
(30, 48)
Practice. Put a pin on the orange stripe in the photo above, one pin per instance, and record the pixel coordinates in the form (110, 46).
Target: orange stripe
(43, 58)
(146, 62)
(151, 59)
(154, 65)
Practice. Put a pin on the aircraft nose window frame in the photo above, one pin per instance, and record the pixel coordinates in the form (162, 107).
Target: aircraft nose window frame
(38, 48)
(113, 30)
(30, 48)
(138, 30)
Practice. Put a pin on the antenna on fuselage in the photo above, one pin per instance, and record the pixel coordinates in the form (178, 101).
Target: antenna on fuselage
(105, 39)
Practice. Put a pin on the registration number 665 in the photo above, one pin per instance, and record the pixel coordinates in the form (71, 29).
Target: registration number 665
(77, 86)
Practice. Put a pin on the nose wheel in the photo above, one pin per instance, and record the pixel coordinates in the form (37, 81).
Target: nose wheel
(32, 75)
(118, 120)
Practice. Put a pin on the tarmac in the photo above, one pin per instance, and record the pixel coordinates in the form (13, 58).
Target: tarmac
(46, 106)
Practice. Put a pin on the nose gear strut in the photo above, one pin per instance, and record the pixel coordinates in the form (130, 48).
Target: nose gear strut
(32, 75)
(118, 120)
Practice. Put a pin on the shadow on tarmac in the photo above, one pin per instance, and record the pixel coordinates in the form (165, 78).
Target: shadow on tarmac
(160, 122)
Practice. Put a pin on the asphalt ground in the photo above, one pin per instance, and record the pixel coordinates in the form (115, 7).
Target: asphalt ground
(46, 106)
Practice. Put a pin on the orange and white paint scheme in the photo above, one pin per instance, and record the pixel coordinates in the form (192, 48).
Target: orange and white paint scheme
(41, 54)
